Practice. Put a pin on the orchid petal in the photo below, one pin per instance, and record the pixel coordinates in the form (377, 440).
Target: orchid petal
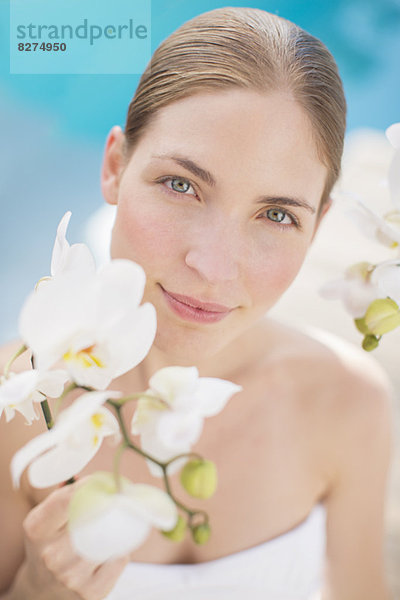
(394, 179)
(177, 430)
(92, 322)
(169, 382)
(366, 221)
(51, 316)
(171, 430)
(151, 443)
(131, 338)
(147, 412)
(393, 135)
(358, 298)
(18, 393)
(78, 258)
(27, 410)
(356, 289)
(60, 463)
(116, 533)
(120, 348)
(34, 448)
(119, 286)
(69, 258)
(213, 394)
(68, 458)
(106, 522)
(52, 383)
(374, 226)
(387, 278)
(96, 375)
(67, 423)
(151, 504)
(18, 387)
(83, 407)
(61, 245)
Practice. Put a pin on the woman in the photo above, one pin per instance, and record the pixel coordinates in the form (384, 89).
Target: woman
(221, 179)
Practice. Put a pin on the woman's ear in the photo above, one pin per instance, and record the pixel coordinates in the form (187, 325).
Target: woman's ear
(325, 209)
(113, 165)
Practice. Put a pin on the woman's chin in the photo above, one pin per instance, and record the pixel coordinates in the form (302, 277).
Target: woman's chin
(187, 348)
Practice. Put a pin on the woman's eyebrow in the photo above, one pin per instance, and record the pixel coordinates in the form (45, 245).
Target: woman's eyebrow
(206, 176)
(283, 201)
(191, 166)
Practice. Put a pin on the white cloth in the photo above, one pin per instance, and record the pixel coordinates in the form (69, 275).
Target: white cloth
(288, 567)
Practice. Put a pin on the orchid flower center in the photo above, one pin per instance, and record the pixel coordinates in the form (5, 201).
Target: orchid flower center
(85, 357)
(97, 421)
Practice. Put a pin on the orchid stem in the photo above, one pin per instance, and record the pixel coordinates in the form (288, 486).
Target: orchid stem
(14, 357)
(137, 396)
(127, 443)
(191, 513)
(125, 435)
(182, 456)
(116, 465)
(50, 423)
(47, 414)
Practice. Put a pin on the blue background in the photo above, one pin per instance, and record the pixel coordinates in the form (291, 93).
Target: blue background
(89, 50)
(53, 127)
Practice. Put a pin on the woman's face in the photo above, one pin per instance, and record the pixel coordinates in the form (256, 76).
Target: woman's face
(218, 204)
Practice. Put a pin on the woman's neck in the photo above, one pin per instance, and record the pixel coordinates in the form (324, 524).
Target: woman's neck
(246, 350)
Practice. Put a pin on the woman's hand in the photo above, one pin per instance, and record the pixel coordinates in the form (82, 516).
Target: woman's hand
(51, 568)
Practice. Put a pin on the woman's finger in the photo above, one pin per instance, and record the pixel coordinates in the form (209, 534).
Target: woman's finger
(58, 555)
(104, 579)
(51, 515)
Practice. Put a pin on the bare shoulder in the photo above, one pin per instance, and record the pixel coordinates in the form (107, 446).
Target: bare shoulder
(354, 400)
(360, 389)
(334, 369)
(341, 390)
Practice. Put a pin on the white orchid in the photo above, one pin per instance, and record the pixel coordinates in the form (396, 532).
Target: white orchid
(107, 521)
(393, 135)
(386, 277)
(66, 258)
(385, 230)
(169, 417)
(59, 454)
(20, 392)
(91, 321)
(356, 289)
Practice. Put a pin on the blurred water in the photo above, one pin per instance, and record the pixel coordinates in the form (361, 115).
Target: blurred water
(53, 127)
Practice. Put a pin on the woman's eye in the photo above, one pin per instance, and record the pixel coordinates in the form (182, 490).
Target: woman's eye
(177, 184)
(279, 216)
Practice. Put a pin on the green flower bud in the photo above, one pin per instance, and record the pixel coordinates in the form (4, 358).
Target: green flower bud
(361, 326)
(178, 532)
(382, 316)
(201, 533)
(370, 342)
(199, 478)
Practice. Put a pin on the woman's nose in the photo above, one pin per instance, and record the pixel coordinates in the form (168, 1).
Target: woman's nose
(214, 257)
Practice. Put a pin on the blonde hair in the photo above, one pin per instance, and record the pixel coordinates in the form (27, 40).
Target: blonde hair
(246, 48)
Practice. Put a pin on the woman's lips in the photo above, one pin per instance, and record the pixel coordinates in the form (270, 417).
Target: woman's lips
(192, 309)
